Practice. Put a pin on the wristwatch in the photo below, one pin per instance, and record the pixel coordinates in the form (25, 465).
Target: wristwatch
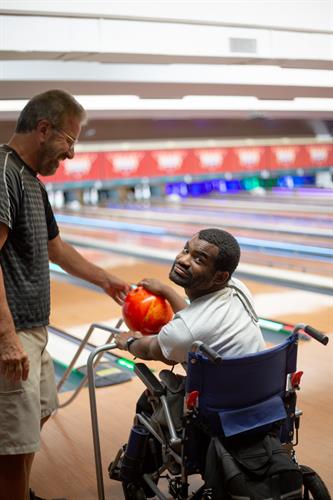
(130, 341)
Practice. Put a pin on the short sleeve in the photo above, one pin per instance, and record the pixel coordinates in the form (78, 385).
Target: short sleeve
(52, 226)
(10, 192)
(175, 340)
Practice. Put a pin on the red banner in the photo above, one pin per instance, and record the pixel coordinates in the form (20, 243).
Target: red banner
(124, 164)
(195, 161)
(249, 159)
(319, 155)
(83, 167)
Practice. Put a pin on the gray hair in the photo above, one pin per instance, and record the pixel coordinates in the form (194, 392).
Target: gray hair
(53, 105)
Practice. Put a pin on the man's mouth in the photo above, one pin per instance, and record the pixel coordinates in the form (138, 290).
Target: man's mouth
(179, 270)
(59, 161)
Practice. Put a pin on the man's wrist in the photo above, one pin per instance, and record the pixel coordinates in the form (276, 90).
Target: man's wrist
(129, 342)
(7, 327)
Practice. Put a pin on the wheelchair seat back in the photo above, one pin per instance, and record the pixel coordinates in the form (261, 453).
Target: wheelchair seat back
(242, 394)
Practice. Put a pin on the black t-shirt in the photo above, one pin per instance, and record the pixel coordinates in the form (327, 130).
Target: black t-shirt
(25, 209)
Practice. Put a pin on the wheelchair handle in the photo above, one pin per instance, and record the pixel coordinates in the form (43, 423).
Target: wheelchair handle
(208, 351)
(315, 334)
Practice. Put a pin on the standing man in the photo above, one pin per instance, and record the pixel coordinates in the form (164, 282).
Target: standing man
(220, 312)
(46, 133)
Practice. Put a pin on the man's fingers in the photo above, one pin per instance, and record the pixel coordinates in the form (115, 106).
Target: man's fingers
(12, 370)
(2, 368)
(15, 369)
(17, 372)
(118, 300)
(118, 296)
(25, 368)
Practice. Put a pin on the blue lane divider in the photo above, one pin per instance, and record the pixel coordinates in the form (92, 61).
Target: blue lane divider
(289, 247)
(107, 224)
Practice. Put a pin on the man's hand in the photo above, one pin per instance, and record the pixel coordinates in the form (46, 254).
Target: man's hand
(154, 286)
(122, 338)
(14, 362)
(116, 288)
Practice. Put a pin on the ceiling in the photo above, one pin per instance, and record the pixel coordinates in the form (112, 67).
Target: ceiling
(172, 60)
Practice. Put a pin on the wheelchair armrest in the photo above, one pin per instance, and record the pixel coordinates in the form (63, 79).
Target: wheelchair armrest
(149, 379)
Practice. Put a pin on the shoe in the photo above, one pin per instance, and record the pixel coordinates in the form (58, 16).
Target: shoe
(174, 467)
(33, 496)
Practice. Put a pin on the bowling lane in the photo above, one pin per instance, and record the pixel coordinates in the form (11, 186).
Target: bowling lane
(291, 240)
(259, 255)
(179, 219)
(295, 203)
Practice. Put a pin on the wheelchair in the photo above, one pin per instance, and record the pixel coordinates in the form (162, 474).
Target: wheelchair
(232, 401)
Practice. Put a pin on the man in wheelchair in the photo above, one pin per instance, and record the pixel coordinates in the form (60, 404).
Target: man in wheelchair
(220, 313)
(227, 428)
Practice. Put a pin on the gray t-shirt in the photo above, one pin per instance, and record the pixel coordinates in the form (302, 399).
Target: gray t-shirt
(25, 209)
(224, 320)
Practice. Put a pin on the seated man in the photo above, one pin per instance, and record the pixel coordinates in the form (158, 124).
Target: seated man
(221, 315)
(220, 312)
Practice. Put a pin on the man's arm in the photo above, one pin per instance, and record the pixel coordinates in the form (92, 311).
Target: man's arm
(14, 363)
(145, 347)
(74, 263)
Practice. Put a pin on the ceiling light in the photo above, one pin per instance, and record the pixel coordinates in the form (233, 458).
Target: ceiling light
(188, 103)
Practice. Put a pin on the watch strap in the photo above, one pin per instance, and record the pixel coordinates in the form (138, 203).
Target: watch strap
(129, 342)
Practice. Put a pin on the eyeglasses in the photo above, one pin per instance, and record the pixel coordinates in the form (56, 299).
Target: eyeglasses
(71, 141)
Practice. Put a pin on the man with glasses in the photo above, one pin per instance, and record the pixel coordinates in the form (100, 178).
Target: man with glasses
(45, 135)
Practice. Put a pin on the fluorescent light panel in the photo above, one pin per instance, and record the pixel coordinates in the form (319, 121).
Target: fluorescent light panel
(192, 102)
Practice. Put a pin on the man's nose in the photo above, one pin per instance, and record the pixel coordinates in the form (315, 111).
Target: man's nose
(70, 153)
(184, 259)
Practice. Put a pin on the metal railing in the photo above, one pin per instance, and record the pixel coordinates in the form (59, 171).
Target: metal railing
(83, 344)
(97, 353)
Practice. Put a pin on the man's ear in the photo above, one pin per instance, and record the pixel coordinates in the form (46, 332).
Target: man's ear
(221, 277)
(43, 128)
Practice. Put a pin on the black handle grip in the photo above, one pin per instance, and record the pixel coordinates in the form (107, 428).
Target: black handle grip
(316, 334)
(211, 354)
(148, 378)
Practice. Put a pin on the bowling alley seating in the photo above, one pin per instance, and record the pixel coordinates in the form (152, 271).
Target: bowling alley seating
(231, 404)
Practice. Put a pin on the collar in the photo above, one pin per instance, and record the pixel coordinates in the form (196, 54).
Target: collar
(17, 156)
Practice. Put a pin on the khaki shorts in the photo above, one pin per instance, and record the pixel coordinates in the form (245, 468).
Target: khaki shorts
(23, 404)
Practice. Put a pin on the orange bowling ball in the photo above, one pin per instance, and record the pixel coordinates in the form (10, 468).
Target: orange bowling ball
(145, 311)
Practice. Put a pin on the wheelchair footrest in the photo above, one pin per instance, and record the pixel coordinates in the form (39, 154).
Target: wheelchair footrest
(149, 379)
(115, 466)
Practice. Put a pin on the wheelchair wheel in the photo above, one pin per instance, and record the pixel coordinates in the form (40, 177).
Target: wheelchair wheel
(314, 487)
